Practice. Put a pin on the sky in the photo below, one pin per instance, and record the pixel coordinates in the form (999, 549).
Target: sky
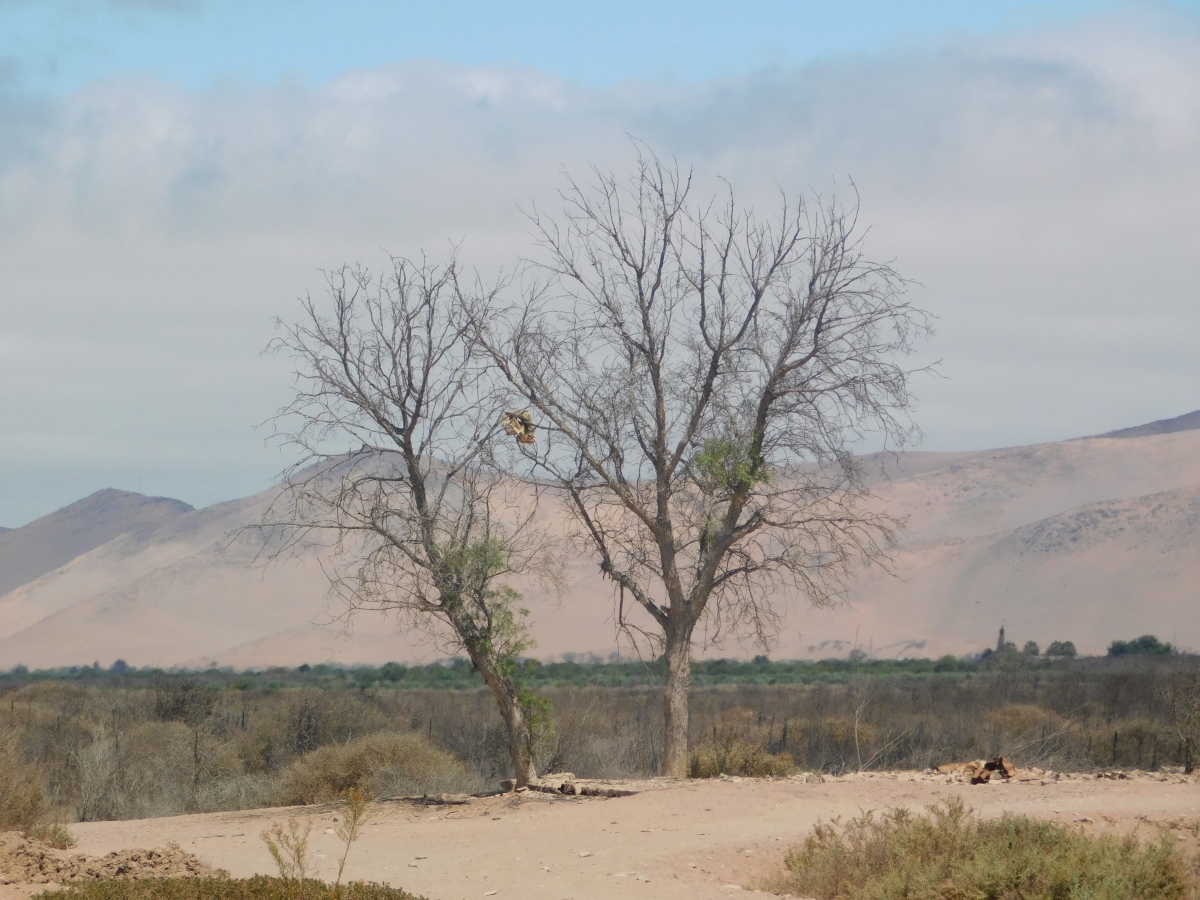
(175, 174)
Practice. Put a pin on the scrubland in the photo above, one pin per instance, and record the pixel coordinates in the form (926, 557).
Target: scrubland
(134, 748)
(948, 852)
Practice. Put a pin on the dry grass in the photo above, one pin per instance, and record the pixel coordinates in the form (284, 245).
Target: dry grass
(23, 804)
(21, 799)
(730, 755)
(950, 854)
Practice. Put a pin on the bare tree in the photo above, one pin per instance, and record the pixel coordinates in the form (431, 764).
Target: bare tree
(1183, 694)
(420, 520)
(700, 376)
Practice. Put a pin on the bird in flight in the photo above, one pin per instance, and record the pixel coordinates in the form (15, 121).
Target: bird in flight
(519, 425)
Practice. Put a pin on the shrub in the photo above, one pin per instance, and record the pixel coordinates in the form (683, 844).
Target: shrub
(354, 814)
(1061, 648)
(259, 887)
(289, 848)
(1147, 643)
(1183, 695)
(21, 800)
(55, 834)
(733, 756)
(384, 764)
(950, 853)
(23, 804)
(182, 700)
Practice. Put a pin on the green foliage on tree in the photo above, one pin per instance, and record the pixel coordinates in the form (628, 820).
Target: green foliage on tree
(1061, 648)
(1147, 643)
(730, 465)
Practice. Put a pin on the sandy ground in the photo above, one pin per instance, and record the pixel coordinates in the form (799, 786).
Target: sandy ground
(688, 840)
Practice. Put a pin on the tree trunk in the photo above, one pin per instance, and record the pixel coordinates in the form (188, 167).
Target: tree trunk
(679, 683)
(519, 738)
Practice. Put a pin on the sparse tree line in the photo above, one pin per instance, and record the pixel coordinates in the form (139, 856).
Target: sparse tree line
(457, 673)
(107, 753)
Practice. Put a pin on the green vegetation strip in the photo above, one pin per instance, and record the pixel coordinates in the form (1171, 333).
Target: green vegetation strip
(458, 674)
(950, 854)
(259, 887)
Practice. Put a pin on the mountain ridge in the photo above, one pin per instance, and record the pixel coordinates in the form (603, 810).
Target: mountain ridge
(28, 552)
(1186, 422)
(1057, 539)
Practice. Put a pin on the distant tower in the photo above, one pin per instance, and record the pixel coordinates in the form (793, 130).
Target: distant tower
(1000, 641)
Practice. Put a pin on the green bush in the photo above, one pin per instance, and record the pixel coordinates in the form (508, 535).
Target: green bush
(1061, 648)
(260, 887)
(386, 764)
(1147, 643)
(950, 854)
(732, 755)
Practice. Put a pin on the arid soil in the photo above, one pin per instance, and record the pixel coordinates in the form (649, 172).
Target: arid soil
(24, 861)
(696, 839)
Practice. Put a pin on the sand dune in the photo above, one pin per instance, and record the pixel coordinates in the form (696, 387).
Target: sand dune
(1084, 540)
(1105, 570)
(51, 541)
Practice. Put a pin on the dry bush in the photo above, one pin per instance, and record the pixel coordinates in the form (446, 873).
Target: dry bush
(22, 802)
(602, 733)
(107, 753)
(55, 834)
(186, 700)
(354, 813)
(384, 764)
(463, 722)
(730, 755)
(289, 848)
(1183, 694)
(152, 768)
(234, 791)
(950, 853)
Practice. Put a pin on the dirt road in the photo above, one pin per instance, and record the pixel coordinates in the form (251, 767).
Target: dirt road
(692, 840)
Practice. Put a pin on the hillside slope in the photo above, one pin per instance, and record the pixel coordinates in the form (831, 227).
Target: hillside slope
(1102, 571)
(54, 540)
(1187, 422)
(1084, 540)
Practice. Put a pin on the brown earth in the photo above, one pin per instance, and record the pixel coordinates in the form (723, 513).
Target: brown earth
(692, 839)
(24, 861)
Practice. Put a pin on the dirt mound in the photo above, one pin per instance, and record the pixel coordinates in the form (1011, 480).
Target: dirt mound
(26, 861)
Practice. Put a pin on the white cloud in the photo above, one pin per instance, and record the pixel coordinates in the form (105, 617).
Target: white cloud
(1042, 188)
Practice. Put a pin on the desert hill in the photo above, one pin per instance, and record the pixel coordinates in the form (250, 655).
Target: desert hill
(1186, 422)
(1084, 540)
(54, 540)
(1088, 575)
